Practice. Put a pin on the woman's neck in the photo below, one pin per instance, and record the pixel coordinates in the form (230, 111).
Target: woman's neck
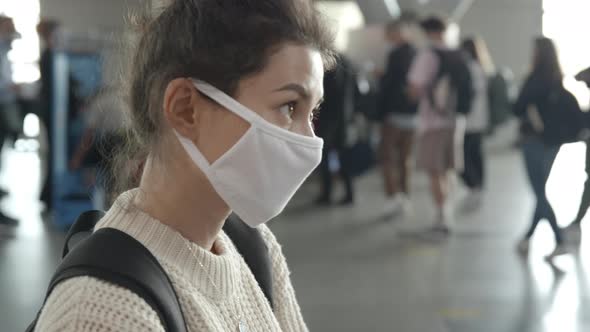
(183, 199)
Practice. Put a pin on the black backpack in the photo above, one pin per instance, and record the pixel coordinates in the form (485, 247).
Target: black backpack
(113, 256)
(562, 117)
(453, 66)
(499, 100)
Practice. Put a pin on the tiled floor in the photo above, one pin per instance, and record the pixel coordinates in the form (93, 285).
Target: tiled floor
(355, 271)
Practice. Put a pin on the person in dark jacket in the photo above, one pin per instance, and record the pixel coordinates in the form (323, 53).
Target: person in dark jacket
(398, 119)
(573, 230)
(47, 31)
(539, 146)
(8, 92)
(339, 85)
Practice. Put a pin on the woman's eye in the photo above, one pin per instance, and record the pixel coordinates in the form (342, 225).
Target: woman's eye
(288, 110)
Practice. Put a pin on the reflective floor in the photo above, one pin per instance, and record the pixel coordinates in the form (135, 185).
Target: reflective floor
(356, 271)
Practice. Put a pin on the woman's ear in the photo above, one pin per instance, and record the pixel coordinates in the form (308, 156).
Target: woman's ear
(181, 107)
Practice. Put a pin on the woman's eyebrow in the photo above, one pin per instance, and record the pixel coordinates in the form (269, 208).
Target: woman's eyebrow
(297, 88)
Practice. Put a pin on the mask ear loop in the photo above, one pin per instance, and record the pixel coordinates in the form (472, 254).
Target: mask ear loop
(227, 102)
(253, 118)
(194, 153)
(190, 147)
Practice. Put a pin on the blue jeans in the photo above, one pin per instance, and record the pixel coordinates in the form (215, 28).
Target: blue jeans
(539, 160)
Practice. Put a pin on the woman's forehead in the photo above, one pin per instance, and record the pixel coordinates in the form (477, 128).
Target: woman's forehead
(295, 64)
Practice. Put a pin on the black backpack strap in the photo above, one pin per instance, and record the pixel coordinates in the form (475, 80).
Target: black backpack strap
(454, 65)
(442, 71)
(251, 246)
(85, 223)
(115, 257)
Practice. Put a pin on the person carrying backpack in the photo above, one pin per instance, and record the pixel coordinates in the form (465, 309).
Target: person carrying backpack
(222, 94)
(439, 78)
(550, 116)
(398, 119)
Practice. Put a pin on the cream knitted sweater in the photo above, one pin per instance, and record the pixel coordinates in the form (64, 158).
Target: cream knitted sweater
(89, 304)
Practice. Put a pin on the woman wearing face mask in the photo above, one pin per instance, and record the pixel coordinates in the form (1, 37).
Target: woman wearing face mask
(223, 111)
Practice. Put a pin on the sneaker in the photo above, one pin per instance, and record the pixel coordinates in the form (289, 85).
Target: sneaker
(396, 205)
(406, 207)
(442, 229)
(438, 232)
(445, 216)
(573, 233)
(346, 201)
(523, 246)
(473, 201)
(323, 201)
(559, 250)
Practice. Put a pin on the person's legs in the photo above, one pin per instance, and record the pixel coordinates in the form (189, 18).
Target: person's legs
(348, 183)
(478, 161)
(585, 203)
(573, 230)
(533, 159)
(444, 161)
(472, 174)
(439, 185)
(47, 190)
(388, 151)
(549, 158)
(405, 159)
(469, 168)
(473, 171)
(439, 188)
(435, 155)
(538, 162)
(395, 155)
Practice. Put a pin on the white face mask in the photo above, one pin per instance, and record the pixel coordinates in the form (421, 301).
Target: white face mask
(260, 174)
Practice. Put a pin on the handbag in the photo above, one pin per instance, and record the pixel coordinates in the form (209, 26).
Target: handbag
(358, 155)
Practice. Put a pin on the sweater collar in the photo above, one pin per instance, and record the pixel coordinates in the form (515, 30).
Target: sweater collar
(216, 276)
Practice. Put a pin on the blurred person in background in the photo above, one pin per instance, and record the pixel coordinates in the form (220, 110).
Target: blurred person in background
(104, 131)
(331, 125)
(477, 122)
(573, 230)
(47, 30)
(545, 109)
(501, 95)
(397, 114)
(439, 78)
(8, 92)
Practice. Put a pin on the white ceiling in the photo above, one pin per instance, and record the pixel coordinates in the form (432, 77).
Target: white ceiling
(375, 11)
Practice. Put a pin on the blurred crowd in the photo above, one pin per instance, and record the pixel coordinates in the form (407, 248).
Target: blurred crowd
(434, 106)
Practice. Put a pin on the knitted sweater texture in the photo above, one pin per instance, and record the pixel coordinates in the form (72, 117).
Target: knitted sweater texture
(212, 298)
